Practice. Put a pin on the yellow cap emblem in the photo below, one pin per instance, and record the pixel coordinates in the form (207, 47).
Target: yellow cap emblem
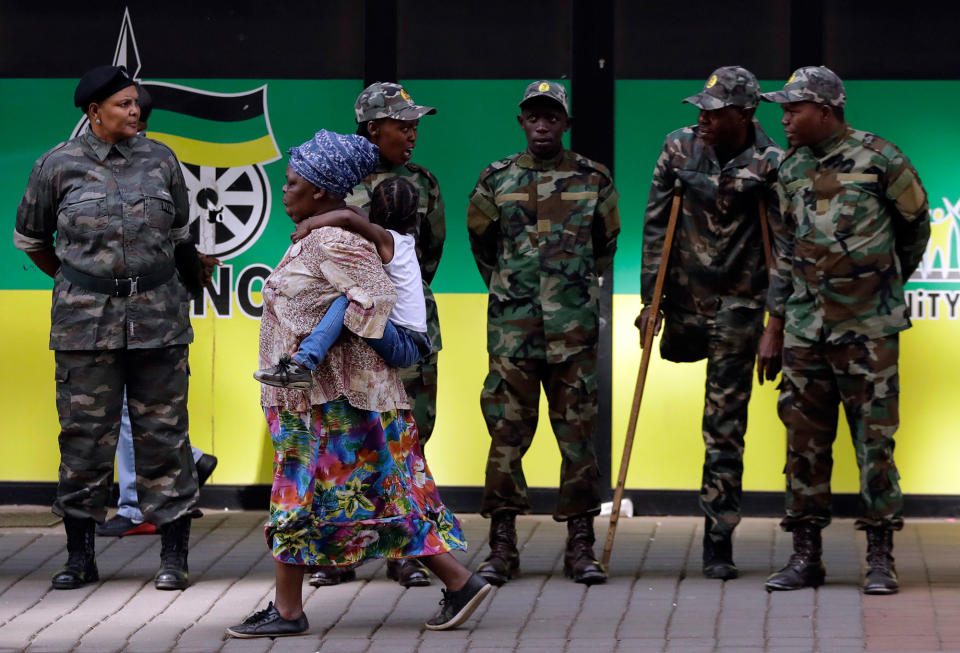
(711, 82)
(405, 95)
(544, 87)
(792, 77)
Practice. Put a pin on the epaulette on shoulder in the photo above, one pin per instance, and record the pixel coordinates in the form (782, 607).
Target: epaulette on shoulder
(590, 164)
(787, 155)
(419, 169)
(496, 166)
(162, 145)
(53, 150)
(880, 145)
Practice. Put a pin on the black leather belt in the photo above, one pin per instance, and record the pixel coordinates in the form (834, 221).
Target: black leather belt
(117, 287)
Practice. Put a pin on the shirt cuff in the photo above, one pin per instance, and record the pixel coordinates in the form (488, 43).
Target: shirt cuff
(180, 234)
(30, 244)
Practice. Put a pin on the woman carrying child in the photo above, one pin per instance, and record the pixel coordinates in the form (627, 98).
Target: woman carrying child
(350, 482)
(393, 218)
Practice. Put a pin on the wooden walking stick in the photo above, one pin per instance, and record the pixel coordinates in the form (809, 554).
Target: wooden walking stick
(648, 334)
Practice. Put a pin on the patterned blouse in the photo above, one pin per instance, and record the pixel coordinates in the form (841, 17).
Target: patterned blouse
(328, 263)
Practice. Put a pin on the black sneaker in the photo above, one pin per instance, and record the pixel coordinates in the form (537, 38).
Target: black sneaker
(456, 607)
(118, 526)
(269, 623)
(287, 374)
(205, 466)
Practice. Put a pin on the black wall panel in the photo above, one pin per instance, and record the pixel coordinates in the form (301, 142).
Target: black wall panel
(176, 38)
(687, 40)
(882, 39)
(494, 39)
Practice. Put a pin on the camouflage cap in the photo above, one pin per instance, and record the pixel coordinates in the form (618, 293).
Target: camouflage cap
(388, 100)
(728, 86)
(545, 88)
(811, 84)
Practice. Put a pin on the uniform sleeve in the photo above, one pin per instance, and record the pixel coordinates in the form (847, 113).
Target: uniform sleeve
(36, 221)
(606, 227)
(180, 229)
(483, 227)
(781, 277)
(781, 245)
(911, 220)
(655, 220)
(433, 232)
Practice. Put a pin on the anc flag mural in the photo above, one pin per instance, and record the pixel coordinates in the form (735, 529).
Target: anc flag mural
(222, 141)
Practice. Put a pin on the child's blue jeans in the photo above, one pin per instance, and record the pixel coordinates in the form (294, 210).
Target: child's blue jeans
(399, 347)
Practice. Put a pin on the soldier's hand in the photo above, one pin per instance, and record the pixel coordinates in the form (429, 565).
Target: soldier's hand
(770, 350)
(209, 264)
(644, 319)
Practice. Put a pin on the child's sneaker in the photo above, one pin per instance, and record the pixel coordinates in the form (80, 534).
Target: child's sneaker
(287, 374)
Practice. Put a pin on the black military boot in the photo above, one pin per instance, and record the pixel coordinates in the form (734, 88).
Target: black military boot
(409, 572)
(804, 568)
(81, 567)
(174, 542)
(718, 554)
(579, 563)
(881, 574)
(503, 563)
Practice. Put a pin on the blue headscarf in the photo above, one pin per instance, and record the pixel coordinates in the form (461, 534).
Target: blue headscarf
(334, 162)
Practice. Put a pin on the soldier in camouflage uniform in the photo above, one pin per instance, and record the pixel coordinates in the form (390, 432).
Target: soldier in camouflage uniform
(861, 224)
(717, 281)
(543, 225)
(101, 214)
(388, 117)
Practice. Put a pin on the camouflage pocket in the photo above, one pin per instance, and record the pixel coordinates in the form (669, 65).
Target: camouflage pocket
(88, 214)
(62, 377)
(682, 342)
(158, 211)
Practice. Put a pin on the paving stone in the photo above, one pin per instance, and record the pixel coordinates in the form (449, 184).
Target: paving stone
(656, 598)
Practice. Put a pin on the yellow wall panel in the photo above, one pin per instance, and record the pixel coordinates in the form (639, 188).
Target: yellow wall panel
(226, 419)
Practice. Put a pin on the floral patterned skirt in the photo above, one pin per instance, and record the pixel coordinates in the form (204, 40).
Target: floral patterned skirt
(350, 485)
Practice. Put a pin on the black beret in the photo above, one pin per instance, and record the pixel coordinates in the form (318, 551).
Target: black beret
(100, 83)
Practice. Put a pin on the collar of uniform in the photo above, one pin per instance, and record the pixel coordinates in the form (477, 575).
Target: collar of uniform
(530, 162)
(830, 142)
(385, 166)
(101, 148)
(742, 159)
(746, 156)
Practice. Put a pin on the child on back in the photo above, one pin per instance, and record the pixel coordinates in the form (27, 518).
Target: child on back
(393, 217)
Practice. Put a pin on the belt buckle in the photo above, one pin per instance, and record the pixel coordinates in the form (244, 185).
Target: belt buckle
(125, 287)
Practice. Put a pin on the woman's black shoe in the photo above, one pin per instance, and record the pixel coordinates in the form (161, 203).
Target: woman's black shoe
(457, 606)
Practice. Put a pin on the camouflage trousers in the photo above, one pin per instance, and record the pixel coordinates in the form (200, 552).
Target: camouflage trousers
(817, 378)
(510, 402)
(89, 401)
(732, 338)
(420, 382)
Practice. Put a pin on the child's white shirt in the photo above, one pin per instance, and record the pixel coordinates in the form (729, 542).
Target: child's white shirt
(410, 311)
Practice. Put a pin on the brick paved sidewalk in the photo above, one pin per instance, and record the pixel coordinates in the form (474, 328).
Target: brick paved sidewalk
(656, 600)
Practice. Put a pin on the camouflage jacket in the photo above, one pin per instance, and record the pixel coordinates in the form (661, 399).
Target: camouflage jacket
(111, 211)
(861, 221)
(717, 251)
(541, 232)
(433, 227)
